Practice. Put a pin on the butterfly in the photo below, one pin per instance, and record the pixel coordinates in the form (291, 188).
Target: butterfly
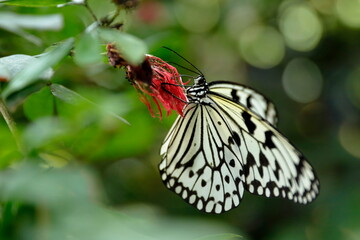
(227, 142)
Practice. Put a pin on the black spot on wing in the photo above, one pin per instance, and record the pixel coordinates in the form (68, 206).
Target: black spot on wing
(250, 160)
(230, 141)
(246, 170)
(248, 122)
(268, 139)
(299, 169)
(261, 171)
(248, 103)
(241, 173)
(263, 160)
(271, 185)
(188, 164)
(234, 96)
(236, 138)
(203, 183)
(277, 170)
(227, 179)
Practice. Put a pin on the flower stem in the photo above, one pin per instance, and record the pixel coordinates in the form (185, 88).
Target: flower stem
(12, 125)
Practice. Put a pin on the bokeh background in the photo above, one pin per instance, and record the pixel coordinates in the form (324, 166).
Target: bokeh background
(98, 177)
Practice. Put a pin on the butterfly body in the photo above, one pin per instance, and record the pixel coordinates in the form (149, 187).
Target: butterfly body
(227, 142)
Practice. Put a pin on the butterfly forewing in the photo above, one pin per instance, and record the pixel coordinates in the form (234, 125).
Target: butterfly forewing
(206, 169)
(247, 97)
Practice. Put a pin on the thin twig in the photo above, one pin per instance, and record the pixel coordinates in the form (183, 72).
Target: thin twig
(12, 125)
(116, 14)
(90, 11)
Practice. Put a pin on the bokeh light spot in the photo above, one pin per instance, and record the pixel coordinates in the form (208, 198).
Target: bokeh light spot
(324, 6)
(240, 17)
(348, 12)
(349, 135)
(262, 46)
(302, 80)
(301, 27)
(197, 16)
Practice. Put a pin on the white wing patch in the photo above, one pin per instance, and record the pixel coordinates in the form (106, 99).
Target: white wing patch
(247, 97)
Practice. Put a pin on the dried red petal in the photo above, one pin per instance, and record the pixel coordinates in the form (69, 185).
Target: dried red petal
(167, 85)
(156, 78)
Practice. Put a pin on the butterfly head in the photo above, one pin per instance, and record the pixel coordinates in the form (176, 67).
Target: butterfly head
(199, 90)
(200, 81)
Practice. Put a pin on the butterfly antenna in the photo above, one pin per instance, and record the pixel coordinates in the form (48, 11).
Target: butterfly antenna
(187, 75)
(199, 72)
(178, 65)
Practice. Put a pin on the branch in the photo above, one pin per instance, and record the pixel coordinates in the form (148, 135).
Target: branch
(12, 125)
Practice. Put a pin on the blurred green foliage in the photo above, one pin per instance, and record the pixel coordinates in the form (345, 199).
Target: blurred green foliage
(75, 168)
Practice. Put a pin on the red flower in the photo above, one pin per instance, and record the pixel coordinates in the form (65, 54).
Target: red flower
(156, 79)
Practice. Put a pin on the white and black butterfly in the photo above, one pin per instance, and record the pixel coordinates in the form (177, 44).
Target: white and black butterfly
(226, 142)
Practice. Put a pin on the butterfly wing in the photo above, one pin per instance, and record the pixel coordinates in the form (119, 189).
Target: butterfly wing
(272, 165)
(247, 97)
(220, 147)
(201, 159)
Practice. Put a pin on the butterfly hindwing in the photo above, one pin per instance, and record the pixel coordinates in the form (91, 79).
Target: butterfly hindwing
(273, 166)
(200, 160)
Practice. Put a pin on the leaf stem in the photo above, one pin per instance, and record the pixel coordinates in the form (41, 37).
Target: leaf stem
(12, 125)
(90, 11)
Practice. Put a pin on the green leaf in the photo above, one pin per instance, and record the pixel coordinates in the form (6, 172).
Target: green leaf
(34, 3)
(44, 130)
(18, 62)
(56, 159)
(17, 98)
(32, 184)
(39, 104)
(34, 70)
(131, 48)
(67, 95)
(74, 98)
(16, 23)
(87, 50)
(10, 20)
